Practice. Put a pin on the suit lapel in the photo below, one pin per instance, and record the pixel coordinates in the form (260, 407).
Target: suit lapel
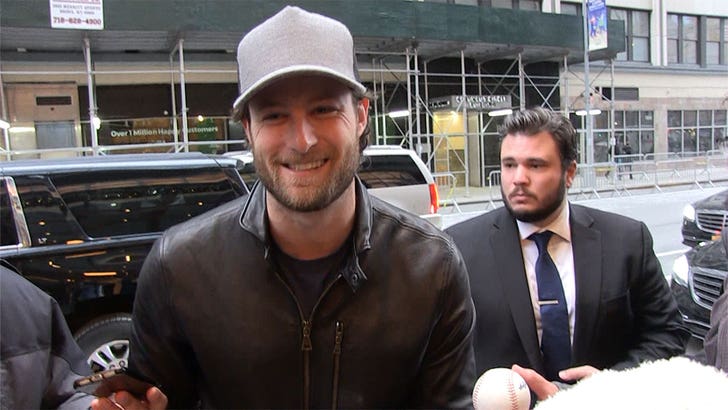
(506, 245)
(586, 243)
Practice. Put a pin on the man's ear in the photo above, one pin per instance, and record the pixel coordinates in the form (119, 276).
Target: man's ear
(362, 112)
(246, 126)
(570, 173)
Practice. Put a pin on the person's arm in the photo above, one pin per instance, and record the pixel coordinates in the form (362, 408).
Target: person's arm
(40, 359)
(67, 363)
(658, 326)
(448, 370)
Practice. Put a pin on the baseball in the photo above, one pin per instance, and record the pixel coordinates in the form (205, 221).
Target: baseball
(501, 389)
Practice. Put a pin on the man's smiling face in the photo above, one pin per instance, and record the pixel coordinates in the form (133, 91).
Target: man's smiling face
(304, 133)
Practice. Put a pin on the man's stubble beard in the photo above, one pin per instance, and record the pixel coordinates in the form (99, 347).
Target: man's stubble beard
(317, 197)
(541, 213)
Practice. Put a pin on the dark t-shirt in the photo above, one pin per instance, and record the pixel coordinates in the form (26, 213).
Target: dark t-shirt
(308, 278)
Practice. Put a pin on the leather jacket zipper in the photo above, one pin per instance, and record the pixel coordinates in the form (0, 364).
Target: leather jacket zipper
(306, 344)
(306, 348)
(337, 357)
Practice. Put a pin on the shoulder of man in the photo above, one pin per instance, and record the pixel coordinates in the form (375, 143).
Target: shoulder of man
(479, 224)
(603, 219)
(383, 211)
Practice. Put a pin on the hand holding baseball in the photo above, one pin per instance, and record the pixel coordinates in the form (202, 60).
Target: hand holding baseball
(501, 389)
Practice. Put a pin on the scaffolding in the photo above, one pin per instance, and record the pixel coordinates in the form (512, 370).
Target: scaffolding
(460, 141)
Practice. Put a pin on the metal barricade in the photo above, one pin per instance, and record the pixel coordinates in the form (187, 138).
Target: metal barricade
(446, 183)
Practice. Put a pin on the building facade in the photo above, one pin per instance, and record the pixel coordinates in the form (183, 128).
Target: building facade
(161, 76)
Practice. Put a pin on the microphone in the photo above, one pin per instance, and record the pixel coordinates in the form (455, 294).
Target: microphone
(501, 389)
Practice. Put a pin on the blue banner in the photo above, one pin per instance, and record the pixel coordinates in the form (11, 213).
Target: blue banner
(597, 19)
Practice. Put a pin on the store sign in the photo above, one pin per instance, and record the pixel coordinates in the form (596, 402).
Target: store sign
(158, 129)
(159, 132)
(77, 14)
(472, 102)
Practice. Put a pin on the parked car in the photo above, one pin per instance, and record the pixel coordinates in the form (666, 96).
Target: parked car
(697, 281)
(704, 219)
(392, 173)
(80, 228)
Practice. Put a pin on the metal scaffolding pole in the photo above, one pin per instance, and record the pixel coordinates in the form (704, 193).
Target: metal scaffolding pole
(428, 130)
(175, 128)
(409, 100)
(417, 106)
(611, 109)
(465, 124)
(565, 98)
(587, 106)
(384, 110)
(183, 96)
(521, 83)
(92, 118)
(4, 117)
(376, 105)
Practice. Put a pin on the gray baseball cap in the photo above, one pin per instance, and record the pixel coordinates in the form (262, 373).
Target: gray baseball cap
(291, 42)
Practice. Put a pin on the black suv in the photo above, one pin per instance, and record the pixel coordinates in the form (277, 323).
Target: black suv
(80, 229)
(697, 281)
(704, 219)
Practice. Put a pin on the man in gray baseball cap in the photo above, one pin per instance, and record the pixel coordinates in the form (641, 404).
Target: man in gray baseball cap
(309, 293)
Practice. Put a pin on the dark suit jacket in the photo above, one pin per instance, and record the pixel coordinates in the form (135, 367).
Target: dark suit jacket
(625, 313)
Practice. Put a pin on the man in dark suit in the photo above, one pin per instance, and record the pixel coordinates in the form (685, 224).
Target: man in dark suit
(615, 306)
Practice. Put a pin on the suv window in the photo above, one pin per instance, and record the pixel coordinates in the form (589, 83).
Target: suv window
(45, 212)
(125, 202)
(381, 171)
(8, 232)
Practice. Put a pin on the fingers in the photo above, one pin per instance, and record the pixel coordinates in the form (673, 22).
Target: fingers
(103, 403)
(577, 373)
(538, 385)
(155, 400)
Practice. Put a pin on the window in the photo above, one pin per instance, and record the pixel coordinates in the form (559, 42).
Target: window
(712, 41)
(571, 9)
(637, 128)
(57, 100)
(696, 130)
(697, 40)
(682, 39)
(621, 93)
(502, 4)
(8, 231)
(128, 202)
(534, 5)
(637, 31)
(45, 213)
(716, 41)
(381, 171)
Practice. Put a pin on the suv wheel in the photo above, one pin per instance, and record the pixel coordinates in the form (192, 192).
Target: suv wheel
(105, 342)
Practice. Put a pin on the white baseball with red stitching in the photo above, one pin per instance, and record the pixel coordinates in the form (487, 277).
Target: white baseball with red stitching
(501, 389)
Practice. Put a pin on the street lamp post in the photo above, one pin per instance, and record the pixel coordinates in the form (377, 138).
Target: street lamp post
(587, 89)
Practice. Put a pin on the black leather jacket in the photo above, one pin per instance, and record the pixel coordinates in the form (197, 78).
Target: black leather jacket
(217, 326)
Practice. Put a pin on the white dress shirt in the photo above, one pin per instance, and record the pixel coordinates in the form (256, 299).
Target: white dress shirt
(561, 252)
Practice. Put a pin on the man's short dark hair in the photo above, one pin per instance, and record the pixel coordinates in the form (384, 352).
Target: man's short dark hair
(241, 111)
(534, 120)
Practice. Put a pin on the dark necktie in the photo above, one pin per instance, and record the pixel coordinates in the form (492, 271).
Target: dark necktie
(555, 341)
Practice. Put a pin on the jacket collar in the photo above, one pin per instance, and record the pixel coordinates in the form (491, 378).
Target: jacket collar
(254, 219)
